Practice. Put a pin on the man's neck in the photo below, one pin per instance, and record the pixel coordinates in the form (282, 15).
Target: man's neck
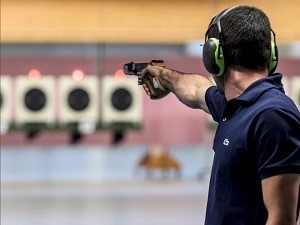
(236, 82)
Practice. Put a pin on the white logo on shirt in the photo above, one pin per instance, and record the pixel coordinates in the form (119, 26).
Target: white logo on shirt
(226, 142)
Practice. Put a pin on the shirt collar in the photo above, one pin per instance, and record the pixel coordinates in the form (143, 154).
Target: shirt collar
(260, 86)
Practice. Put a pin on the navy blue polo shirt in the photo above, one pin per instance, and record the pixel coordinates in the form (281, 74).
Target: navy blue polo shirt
(258, 136)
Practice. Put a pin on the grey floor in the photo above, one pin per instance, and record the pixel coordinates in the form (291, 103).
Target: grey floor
(99, 185)
(143, 203)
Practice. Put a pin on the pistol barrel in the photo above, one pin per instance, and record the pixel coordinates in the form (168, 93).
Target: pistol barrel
(134, 68)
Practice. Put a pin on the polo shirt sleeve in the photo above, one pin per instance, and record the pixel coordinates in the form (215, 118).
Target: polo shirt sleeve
(215, 102)
(277, 138)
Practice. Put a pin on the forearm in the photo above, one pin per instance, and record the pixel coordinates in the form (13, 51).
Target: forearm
(283, 216)
(280, 195)
(189, 88)
(280, 221)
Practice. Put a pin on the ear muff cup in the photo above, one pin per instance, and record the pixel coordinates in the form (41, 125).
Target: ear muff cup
(213, 59)
(274, 58)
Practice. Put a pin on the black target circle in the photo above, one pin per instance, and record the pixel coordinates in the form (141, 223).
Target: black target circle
(35, 99)
(121, 99)
(78, 99)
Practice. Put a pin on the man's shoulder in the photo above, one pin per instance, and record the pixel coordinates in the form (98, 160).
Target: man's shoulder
(215, 102)
(276, 99)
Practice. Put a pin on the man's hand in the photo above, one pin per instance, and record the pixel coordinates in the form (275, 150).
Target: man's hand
(153, 83)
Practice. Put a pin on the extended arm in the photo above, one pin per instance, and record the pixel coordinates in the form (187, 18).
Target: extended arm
(189, 88)
(280, 194)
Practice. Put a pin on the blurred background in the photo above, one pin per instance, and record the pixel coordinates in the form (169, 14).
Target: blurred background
(80, 142)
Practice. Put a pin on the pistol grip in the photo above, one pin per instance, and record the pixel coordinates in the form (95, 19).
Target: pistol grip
(157, 91)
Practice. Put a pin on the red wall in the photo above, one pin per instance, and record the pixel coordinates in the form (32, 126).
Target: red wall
(166, 121)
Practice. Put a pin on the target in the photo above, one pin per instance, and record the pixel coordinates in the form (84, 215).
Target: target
(79, 99)
(121, 100)
(35, 99)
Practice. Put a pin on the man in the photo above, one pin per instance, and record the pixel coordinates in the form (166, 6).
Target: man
(255, 175)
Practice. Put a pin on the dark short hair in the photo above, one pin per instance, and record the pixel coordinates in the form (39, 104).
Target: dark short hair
(246, 38)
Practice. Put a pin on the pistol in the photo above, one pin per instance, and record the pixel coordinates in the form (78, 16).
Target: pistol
(157, 91)
(136, 68)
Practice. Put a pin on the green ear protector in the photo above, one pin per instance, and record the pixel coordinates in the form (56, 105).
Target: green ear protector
(213, 57)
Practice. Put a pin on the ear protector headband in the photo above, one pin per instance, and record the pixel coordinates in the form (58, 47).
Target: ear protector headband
(213, 57)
